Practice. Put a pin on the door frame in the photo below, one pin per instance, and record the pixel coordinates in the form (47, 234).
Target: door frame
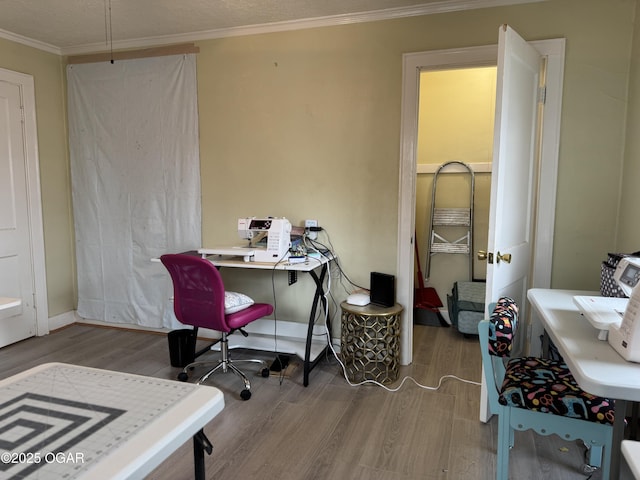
(413, 64)
(25, 83)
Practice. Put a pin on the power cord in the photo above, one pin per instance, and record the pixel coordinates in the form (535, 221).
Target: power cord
(402, 382)
(337, 357)
(313, 245)
(275, 322)
(336, 260)
(282, 260)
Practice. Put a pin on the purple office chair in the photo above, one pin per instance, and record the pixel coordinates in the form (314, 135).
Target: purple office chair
(199, 300)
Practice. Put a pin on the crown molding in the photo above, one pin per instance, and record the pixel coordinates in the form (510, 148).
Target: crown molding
(30, 42)
(442, 6)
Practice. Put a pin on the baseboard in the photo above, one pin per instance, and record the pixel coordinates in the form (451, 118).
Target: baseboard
(264, 327)
(280, 336)
(124, 326)
(62, 320)
(283, 328)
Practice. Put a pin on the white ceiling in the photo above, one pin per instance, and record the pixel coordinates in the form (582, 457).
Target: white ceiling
(82, 26)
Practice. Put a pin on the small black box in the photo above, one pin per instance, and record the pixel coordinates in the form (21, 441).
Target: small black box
(383, 289)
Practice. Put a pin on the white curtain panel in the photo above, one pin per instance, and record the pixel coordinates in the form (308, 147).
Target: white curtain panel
(135, 169)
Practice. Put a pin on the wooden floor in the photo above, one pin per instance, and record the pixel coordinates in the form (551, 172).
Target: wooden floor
(328, 430)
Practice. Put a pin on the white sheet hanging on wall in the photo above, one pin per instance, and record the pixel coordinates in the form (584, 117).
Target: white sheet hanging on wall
(135, 167)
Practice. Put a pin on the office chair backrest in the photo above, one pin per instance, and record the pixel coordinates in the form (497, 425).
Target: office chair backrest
(198, 291)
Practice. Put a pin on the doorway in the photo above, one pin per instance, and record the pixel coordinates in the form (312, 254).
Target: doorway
(22, 272)
(413, 65)
(455, 123)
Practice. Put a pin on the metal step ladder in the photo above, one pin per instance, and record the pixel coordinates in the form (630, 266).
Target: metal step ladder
(443, 219)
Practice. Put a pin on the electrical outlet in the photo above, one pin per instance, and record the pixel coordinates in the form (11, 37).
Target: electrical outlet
(308, 224)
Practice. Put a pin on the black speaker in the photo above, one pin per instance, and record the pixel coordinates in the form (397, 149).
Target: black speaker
(383, 289)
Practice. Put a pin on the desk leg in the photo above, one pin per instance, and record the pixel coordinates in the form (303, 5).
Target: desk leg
(200, 444)
(318, 296)
(618, 436)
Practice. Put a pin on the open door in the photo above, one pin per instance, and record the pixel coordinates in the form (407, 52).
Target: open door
(17, 310)
(514, 176)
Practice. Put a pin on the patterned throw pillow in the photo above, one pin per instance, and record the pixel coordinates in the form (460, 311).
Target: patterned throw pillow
(234, 302)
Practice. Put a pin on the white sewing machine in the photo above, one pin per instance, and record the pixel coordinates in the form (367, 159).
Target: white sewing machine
(278, 237)
(618, 319)
(625, 338)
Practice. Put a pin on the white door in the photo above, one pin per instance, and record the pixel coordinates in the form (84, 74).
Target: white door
(16, 260)
(413, 63)
(513, 181)
(513, 178)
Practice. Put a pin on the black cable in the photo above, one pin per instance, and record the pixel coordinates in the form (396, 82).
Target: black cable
(275, 318)
(317, 243)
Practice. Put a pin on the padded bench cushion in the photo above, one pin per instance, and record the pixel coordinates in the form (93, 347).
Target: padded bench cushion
(546, 385)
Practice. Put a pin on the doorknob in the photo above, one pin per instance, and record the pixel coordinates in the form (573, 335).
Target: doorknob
(482, 255)
(506, 257)
(488, 256)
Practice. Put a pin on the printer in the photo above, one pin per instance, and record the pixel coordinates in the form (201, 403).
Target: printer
(270, 238)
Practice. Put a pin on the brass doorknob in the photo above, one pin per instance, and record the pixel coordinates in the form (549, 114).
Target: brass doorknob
(482, 255)
(506, 257)
(488, 256)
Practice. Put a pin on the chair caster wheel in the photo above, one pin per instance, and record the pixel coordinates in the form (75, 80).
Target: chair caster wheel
(245, 394)
(183, 377)
(265, 372)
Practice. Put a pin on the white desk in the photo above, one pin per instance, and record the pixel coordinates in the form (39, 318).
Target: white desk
(66, 421)
(316, 268)
(631, 453)
(596, 366)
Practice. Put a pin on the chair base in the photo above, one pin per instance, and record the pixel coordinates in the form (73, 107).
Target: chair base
(225, 364)
(596, 436)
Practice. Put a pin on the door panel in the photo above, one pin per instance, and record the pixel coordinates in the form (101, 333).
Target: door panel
(16, 268)
(513, 175)
(513, 178)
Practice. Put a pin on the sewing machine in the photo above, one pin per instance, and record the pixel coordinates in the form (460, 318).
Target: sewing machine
(270, 238)
(625, 338)
(618, 319)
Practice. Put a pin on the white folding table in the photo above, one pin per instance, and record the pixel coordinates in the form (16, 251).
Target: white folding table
(595, 365)
(631, 453)
(60, 421)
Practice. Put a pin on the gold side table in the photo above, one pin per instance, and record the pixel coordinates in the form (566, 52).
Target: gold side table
(370, 342)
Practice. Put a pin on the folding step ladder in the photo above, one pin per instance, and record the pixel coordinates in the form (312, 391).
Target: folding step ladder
(443, 219)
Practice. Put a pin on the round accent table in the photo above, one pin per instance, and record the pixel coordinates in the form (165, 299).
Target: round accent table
(370, 342)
